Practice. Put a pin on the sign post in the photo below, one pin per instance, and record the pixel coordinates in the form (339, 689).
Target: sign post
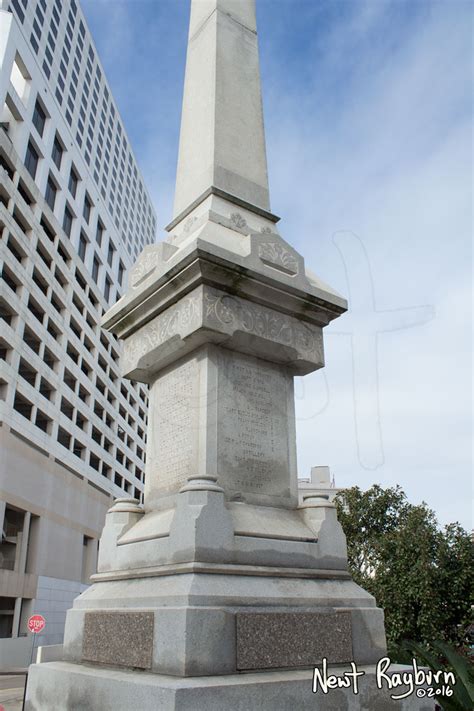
(36, 624)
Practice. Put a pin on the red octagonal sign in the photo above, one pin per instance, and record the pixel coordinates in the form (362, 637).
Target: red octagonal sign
(36, 623)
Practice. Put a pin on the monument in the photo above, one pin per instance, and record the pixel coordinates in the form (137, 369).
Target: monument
(220, 591)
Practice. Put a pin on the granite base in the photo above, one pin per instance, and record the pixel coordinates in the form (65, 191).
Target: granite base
(60, 686)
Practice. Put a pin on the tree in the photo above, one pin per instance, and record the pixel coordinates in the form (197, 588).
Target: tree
(422, 576)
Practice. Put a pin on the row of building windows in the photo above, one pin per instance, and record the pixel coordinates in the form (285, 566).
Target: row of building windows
(31, 164)
(131, 211)
(69, 441)
(67, 364)
(34, 377)
(47, 283)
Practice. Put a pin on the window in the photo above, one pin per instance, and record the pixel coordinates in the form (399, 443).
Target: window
(108, 284)
(121, 270)
(87, 208)
(95, 269)
(31, 160)
(39, 118)
(73, 181)
(110, 254)
(82, 247)
(57, 152)
(67, 221)
(51, 191)
(19, 11)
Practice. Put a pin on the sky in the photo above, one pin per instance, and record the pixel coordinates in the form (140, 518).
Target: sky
(368, 116)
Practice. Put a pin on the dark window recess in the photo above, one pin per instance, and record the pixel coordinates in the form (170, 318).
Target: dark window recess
(82, 248)
(66, 408)
(27, 372)
(49, 359)
(69, 379)
(31, 160)
(57, 154)
(51, 191)
(100, 232)
(35, 309)
(94, 461)
(107, 288)
(80, 280)
(110, 253)
(39, 118)
(42, 421)
(95, 269)
(46, 389)
(56, 304)
(87, 208)
(25, 193)
(40, 281)
(83, 394)
(19, 12)
(121, 271)
(60, 278)
(31, 340)
(73, 181)
(34, 43)
(67, 221)
(47, 228)
(64, 437)
(72, 353)
(22, 405)
(62, 252)
(75, 328)
(9, 278)
(79, 449)
(53, 330)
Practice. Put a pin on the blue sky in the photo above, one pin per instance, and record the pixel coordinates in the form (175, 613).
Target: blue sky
(368, 120)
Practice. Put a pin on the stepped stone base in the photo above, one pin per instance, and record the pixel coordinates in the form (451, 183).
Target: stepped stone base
(60, 686)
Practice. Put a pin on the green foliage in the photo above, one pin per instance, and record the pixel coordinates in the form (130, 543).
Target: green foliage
(445, 658)
(422, 576)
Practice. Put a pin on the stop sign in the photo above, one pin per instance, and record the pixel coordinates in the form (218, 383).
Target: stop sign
(36, 623)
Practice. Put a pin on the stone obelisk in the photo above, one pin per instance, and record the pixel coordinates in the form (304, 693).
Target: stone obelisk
(219, 592)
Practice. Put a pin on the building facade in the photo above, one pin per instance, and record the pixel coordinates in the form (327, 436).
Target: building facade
(318, 484)
(74, 215)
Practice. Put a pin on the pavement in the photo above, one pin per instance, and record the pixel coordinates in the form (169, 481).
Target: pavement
(11, 692)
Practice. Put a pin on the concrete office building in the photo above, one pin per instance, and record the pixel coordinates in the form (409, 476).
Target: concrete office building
(74, 215)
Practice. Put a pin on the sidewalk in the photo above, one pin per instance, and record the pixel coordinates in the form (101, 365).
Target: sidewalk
(11, 692)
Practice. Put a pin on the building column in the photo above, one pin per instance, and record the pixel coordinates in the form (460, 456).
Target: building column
(24, 542)
(16, 617)
(3, 506)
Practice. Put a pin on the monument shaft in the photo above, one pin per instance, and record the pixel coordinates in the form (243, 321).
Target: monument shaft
(222, 107)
